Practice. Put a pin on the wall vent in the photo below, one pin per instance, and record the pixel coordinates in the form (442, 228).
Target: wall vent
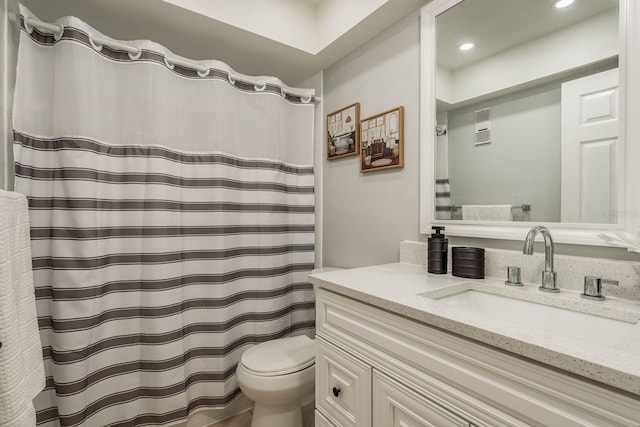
(482, 122)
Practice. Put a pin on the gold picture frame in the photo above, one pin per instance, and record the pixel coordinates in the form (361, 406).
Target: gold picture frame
(343, 132)
(382, 137)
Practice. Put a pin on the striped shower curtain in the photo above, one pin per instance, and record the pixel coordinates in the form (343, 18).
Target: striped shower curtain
(442, 185)
(172, 219)
(443, 198)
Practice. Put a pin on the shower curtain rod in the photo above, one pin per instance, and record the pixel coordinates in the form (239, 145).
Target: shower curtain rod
(134, 53)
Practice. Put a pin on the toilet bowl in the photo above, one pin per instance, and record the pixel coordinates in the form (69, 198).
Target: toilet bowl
(278, 376)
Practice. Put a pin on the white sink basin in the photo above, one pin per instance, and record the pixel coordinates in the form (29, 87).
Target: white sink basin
(607, 327)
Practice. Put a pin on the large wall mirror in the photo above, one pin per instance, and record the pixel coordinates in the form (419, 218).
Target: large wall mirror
(527, 117)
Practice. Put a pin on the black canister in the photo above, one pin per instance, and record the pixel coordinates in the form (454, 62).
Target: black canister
(437, 252)
(467, 262)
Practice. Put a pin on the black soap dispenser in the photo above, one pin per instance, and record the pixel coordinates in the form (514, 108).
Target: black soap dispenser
(437, 252)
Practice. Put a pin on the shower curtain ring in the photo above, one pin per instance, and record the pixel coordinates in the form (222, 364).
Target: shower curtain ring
(134, 56)
(260, 88)
(93, 44)
(204, 73)
(231, 79)
(169, 65)
(28, 26)
(305, 99)
(55, 30)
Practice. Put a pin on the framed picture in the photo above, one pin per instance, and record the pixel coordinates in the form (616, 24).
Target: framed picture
(382, 139)
(343, 135)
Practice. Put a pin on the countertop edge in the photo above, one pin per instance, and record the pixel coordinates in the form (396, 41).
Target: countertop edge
(578, 366)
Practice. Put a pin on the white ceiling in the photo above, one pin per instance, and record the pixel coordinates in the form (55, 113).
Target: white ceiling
(289, 39)
(497, 25)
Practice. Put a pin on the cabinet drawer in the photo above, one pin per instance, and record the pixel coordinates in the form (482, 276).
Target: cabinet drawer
(396, 405)
(343, 386)
(321, 421)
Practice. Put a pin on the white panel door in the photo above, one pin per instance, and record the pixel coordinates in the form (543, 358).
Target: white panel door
(589, 149)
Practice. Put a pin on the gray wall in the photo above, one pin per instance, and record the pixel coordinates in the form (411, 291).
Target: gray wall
(365, 216)
(522, 162)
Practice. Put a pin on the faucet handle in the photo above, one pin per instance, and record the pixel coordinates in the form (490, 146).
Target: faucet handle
(593, 287)
(513, 276)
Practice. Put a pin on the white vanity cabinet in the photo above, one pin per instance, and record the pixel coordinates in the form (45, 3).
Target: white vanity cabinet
(376, 368)
(397, 405)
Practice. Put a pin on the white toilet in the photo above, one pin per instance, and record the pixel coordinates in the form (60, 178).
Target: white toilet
(279, 377)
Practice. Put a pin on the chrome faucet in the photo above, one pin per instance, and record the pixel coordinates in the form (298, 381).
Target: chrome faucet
(548, 275)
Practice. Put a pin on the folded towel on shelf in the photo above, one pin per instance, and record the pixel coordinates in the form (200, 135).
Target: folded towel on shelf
(21, 364)
(487, 213)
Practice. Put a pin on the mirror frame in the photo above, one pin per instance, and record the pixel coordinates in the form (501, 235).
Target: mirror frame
(573, 233)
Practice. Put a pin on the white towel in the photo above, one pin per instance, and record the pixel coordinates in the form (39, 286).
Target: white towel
(487, 213)
(21, 365)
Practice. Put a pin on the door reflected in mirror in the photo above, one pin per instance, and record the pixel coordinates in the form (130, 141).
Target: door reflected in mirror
(527, 112)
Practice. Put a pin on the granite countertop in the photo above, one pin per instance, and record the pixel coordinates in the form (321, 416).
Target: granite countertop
(614, 361)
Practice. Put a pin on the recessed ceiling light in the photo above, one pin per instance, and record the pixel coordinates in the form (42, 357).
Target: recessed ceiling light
(562, 3)
(466, 46)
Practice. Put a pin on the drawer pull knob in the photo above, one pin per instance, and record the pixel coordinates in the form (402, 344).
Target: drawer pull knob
(336, 391)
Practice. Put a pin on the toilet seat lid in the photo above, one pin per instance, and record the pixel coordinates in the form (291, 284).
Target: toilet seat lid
(281, 356)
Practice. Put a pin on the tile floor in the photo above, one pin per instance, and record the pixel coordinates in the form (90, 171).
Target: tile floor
(241, 420)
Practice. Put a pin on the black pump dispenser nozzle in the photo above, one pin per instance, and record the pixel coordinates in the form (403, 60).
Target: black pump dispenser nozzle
(437, 252)
(438, 231)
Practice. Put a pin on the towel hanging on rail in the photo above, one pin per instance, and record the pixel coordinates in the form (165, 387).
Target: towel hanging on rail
(21, 364)
(487, 213)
